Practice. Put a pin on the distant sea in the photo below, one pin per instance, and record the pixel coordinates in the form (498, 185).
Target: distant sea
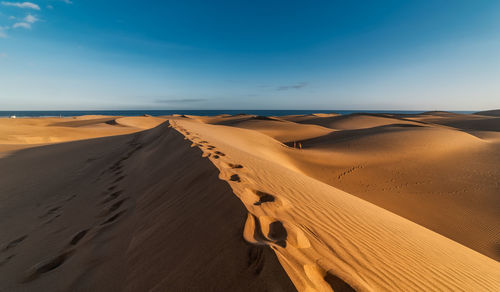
(195, 112)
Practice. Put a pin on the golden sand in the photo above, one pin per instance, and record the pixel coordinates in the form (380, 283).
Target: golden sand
(227, 203)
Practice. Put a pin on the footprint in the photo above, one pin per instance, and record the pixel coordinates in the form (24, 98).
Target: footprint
(116, 205)
(15, 242)
(215, 156)
(119, 179)
(256, 259)
(235, 178)
(78, 237)
(6, 260)
(220, 153)
(277, 233)
(256, 228)
(337, 284)
(52, 219)
(252, 232)
(111, 197)
(235, 165)
(115, 166)
(53, 210)
(113, 218)
(53, 264)
(48, 266)
(50, 212)
(263, 198)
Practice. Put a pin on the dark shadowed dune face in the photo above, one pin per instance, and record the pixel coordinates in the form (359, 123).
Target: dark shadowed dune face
(493, 113)
(126, 213)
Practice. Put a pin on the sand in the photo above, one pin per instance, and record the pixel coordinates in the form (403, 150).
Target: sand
(27, 132)
(186, 203)
(132, 212)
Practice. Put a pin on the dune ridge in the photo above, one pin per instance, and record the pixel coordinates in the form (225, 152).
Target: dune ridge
(134, 212)
(320, 232)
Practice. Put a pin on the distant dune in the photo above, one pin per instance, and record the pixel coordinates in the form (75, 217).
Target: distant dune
(493, 113)
(26, 132)
(323, 202)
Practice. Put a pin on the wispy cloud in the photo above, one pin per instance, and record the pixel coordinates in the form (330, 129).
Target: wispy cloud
(293, 86)
(67, 1)
(182, 100)
(22, 24)
(3, 55)
(30, 18)
(27, 5)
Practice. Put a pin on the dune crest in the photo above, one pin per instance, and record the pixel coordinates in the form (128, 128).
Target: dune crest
(135, 212)
(326, 238)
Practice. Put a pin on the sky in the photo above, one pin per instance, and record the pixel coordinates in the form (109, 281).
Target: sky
(376, 55)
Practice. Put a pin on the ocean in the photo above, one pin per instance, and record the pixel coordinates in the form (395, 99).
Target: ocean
(195, 112)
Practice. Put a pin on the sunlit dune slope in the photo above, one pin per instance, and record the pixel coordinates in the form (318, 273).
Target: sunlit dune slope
(300, 118)
(140, 122)
(442, 179)
(394, 140)
(281, 130)
(26, 132)
(326, 238)
(351, 122)
(284, 131)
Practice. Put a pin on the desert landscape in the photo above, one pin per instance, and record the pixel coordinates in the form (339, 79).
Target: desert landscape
(317, 202)
(310, 146)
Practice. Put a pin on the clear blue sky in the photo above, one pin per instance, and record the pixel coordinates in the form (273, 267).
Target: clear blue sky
(409, 55)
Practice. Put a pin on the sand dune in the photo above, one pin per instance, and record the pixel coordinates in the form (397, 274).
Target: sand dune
(25, 132)
(85, 121)
(281, 130)
(139, 122)
(128, 213)
(299, 118)
(394, 141)
(456, 197)
(322, 233)
(370, 203)
(351, 122)
(493, 113)
(463, 122)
